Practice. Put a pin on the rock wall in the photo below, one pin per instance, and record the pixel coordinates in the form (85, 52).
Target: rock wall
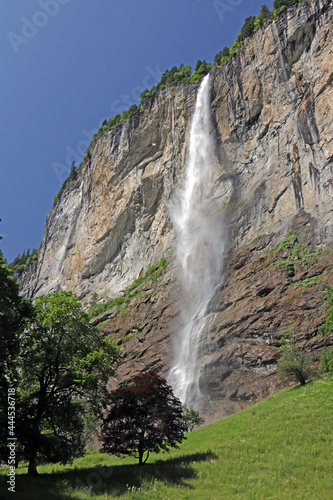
(113, 221)
(272, 106)
(268, 290)
(272, 110)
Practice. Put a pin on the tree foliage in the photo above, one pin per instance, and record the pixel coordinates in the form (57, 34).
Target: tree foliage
(222, 57)
(13, 311)
(64, 364)
(295, 363)
(144, 417)
(327, 361)
(21, 262)
(107, 125)
(264, 16)
(183, 74)
(250, 26)
(192, 419)
(285, 3)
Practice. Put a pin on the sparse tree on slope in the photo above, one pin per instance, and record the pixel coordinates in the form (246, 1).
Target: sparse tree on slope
(145, 417)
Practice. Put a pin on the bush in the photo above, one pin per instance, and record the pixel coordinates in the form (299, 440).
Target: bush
(295, 363)
(326, 363)
(191, 418)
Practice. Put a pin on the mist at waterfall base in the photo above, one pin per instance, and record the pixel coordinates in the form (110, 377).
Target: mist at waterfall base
(199, 249)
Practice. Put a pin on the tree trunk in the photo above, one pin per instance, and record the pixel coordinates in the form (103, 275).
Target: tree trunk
(32, 467)
(140, 457)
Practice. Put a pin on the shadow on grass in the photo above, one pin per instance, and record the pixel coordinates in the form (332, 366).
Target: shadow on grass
(115, 481)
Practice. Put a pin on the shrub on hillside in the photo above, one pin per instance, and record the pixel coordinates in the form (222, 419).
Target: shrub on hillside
(295, 363)
(326, 363)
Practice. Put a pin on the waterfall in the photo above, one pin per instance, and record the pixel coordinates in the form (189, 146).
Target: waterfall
(199, 249)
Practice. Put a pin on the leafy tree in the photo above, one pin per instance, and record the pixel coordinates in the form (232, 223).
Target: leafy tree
(64, 364)
(191, 419)
(144, 95)
(265, 15)
(247, 29)
(201, 69)
(13, 311)
(222, 57)
(145, 416)
(295, 363)
(182, 75)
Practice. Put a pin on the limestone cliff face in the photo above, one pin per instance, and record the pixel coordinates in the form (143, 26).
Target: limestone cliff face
(273, 110)
(272, 113)
(113, 221)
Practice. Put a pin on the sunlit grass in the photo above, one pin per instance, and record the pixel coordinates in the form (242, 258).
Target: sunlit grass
(280, 448)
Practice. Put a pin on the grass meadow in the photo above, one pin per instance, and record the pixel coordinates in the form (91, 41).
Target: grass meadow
(279, 448)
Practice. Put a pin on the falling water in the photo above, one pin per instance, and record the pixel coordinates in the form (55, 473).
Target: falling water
(199, 250)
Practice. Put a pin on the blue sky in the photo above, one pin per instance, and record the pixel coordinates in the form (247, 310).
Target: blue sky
(68, 64)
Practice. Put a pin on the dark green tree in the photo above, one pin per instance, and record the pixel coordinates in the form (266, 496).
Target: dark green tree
(265, 15)
(64, 364)
(247, 29)
(13, 311)
(73, 174)
(284, 3)
(145, 416)
(201, 69)
(144, 95)
(222, 57)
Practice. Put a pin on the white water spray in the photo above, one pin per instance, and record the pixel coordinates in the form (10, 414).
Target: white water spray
(199, 250)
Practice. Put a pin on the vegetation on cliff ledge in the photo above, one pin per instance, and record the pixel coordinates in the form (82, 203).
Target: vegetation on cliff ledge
(183, 75)
(21, 262)
(152, 273)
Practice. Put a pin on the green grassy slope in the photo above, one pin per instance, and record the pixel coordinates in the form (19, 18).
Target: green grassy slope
(279, 448)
